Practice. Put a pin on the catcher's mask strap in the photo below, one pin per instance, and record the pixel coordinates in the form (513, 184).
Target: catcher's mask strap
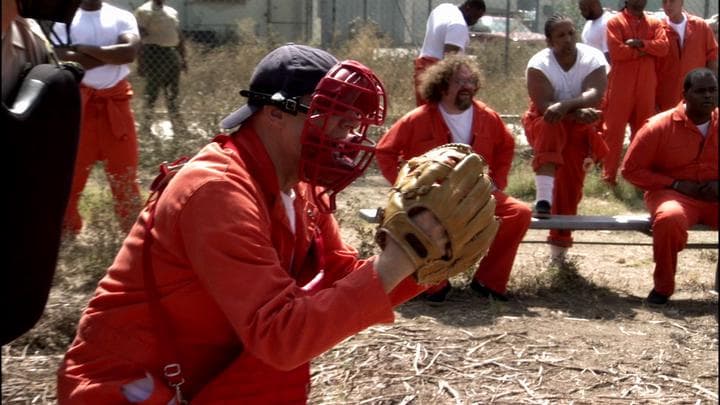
(290, 105)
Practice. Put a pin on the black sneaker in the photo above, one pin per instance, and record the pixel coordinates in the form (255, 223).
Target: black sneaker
(485, 292)
(438, 296)
(656, 298)
(542, 209)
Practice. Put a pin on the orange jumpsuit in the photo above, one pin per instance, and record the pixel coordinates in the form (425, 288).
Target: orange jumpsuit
(565, 144)
(699, 47)
(423, 129)
(107, 134)
(632, 81)
(421, 65)
(250, 302)
(668, 148)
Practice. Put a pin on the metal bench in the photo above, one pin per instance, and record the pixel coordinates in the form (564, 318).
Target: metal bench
(639, 223)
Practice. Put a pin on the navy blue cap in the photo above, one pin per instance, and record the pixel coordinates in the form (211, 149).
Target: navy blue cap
(290, 70)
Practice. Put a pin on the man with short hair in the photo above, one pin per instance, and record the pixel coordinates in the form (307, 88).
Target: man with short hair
(566, 82)
(161, 58)
(674, 158)
(453, 116)
(594, 32)
(692, 45)
(234, 276)
(635, 41)
(446, 33)
(104, 39)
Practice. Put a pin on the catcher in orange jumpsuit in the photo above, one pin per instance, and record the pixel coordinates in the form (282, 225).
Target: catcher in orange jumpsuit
(635, 41)
(565, 82)
(107, 40)
(674, 158)
(234, 276)
(692, 45)
(452, 116)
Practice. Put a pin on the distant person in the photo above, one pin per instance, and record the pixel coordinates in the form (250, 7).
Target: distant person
(161, 58)
(40, 124)
(594, 32)
(635, 42)
(446, 33)
(104, 40)
(565, 82)
(23, 45)
(453, 116)
(674, 158)
(692, 45)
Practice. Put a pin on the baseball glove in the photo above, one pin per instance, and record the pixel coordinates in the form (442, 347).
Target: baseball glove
(449, 181)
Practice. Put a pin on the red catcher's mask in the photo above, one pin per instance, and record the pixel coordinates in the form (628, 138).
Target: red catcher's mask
(335, 147)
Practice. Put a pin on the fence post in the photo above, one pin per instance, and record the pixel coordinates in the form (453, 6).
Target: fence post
(706, 9)
(507, 37)
(268, 17)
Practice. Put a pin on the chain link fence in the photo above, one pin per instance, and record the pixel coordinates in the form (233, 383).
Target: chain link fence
(226, 38)
(330, 22)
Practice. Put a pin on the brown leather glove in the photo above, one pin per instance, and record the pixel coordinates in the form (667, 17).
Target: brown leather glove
(450, 181)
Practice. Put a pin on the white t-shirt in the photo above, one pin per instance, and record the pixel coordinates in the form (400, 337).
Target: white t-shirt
(288, 200)
(568, 84)
(679, 28)
(445, 25)
(703, 128)
(101, 27)
(594, 32)
(460, 125)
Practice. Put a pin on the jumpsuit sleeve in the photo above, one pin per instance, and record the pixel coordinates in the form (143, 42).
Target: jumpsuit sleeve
(225, 231)
(390, 150)
(712, 45)
(659, 45)
(616, 42)
(503, 154)
(639, 160)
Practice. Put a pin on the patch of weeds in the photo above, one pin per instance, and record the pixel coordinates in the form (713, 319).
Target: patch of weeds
(561, 279)
(521, 180)
(709, 255)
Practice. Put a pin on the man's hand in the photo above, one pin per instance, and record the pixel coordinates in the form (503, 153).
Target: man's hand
(555, 112)
(66, 52)
(701, 190)
(587, 115)
(709, 190)
(394, 265)
(450, 183)
(635, 43)
(74, 53)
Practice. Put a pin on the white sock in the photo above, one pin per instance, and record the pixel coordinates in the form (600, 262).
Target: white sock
(558, 252)
(544, 188)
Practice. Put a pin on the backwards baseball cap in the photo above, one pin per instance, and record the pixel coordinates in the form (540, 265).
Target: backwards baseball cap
(280, 79)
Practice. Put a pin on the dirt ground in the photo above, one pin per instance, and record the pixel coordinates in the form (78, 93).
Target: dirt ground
(578, 333)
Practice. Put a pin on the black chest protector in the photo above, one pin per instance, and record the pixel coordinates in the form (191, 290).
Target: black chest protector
(41, 127)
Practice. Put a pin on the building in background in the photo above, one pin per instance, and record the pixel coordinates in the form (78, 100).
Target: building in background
(328, 22)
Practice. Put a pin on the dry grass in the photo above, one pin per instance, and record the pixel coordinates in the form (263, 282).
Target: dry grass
(578, 333)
